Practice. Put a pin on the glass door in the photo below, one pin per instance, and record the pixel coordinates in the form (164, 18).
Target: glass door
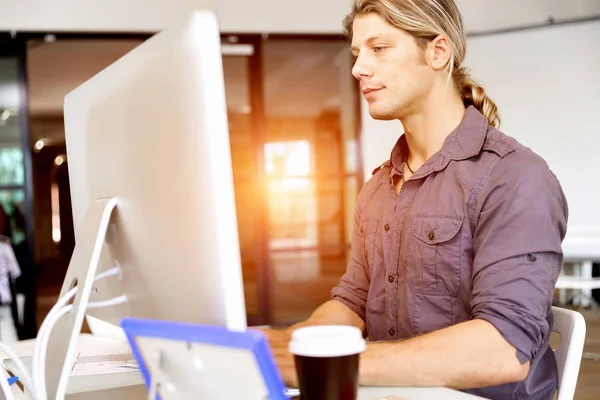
(15, 193)
(312, 170)
(293, 122)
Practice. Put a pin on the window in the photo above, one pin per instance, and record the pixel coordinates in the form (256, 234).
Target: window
(311, 167)
(292, 110)
(12, 171)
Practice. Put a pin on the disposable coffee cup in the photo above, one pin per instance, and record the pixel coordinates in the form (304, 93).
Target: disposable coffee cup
(326, 359)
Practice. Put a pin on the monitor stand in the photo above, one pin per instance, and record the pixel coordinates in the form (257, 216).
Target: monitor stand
(82, 270)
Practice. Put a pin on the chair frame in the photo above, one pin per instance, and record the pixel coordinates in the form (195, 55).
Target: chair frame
(572, 329)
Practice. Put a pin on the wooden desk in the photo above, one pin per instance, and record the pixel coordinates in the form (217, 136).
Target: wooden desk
(412, 393)
(365, 393)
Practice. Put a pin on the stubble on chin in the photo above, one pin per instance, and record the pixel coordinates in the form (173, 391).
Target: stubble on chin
(382, 114)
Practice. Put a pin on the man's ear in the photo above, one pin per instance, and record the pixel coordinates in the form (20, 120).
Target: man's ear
(439, 52)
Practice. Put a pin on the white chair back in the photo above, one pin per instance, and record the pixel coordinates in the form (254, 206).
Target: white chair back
(571, 327)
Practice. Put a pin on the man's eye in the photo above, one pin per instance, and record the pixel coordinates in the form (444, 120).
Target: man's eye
(378, 49)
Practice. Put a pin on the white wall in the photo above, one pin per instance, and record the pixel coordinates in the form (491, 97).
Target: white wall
(377, 139)
(546, 83)
(237, 16)
(92, 15)
(251, 16)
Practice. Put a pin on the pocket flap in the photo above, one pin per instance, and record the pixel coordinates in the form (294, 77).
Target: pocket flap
(369, 226)
(435, 230)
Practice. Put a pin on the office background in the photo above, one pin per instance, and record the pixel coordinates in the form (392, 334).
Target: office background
(301, 138)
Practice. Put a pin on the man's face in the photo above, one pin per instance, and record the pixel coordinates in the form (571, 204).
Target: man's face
(391, 68)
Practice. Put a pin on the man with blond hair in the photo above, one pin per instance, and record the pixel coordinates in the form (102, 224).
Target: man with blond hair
(457, 237)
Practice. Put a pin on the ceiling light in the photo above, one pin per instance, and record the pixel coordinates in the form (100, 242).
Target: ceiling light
(39, 145)
(5, 115)
(237, 49)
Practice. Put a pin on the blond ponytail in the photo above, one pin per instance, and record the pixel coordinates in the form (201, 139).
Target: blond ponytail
(473, 94)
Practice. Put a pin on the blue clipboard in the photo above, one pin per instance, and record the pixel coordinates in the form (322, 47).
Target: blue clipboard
(252, 341)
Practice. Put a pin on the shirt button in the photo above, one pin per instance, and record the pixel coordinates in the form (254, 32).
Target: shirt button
(391, 278)
(431, 235)
(386, 227)
(531, 257)
(391, 332)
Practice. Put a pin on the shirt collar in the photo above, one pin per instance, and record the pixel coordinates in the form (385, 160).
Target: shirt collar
(464, 142)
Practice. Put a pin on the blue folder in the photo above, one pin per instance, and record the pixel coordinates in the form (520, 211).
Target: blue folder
(252, 341)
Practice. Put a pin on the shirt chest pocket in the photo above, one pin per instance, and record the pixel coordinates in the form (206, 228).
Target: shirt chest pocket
(369, 233)
(436, 248)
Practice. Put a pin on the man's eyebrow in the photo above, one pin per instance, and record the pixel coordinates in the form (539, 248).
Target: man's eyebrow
(373, 39)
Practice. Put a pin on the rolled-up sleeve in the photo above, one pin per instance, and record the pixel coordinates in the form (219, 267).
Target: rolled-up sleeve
(354, 285)
(522, 220)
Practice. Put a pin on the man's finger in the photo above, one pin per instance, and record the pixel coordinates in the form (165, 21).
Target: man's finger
(284, 361)
(288, 374)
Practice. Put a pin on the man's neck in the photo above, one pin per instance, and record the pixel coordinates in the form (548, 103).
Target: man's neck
(426, 131)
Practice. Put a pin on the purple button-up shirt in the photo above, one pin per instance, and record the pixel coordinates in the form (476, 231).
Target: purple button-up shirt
(476, 232)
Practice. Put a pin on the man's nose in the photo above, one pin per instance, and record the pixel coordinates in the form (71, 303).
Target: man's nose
(361, 69)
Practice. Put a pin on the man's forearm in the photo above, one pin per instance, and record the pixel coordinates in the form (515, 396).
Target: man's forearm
(468, 355)
(331, 313)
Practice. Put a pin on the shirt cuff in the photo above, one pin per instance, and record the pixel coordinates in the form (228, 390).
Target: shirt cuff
(350, 300)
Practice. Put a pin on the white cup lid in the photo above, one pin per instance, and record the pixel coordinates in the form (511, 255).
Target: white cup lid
(327, 341)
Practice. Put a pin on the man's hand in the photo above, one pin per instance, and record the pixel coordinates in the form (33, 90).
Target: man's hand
(278, 342)
(330, 313)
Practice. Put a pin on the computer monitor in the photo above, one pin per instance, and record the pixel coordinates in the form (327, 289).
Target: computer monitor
(150, 170)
